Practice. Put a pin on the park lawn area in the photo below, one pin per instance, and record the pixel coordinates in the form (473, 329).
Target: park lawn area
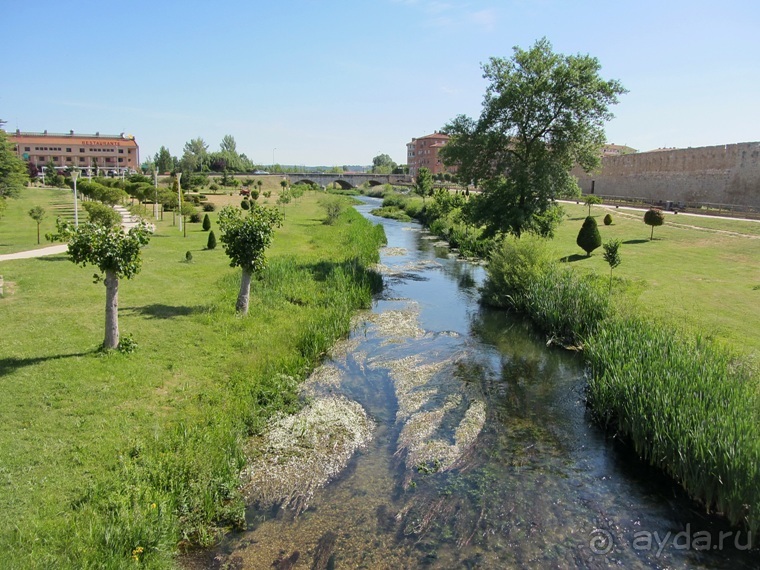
(18, 232)
(706, 280)
(73, 417)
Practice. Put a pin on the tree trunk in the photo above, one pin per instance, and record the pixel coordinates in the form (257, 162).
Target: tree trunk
(112, 310)
(651, 234)
(245, 293)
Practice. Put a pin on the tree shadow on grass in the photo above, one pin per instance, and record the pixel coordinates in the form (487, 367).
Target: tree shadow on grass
(159, 311)
(573, 258)
(53, 258)
(635, 241)
(8, 365)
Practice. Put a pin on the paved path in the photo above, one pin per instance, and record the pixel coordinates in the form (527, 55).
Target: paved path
(127, 222)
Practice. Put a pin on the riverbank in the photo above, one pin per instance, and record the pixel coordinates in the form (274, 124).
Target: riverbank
(685, 398)
(109, 460)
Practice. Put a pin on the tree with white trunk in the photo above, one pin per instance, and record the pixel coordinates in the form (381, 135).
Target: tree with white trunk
(245, 238)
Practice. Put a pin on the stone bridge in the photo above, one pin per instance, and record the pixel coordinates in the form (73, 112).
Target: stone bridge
(347, 180)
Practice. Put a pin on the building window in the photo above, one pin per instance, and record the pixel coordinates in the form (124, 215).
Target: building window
(68, 150)
(81, 150)
(121, 159)
(26, 148)
(81, 159)
(121, 151)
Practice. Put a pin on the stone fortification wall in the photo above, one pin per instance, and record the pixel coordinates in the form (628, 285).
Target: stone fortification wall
(727, 174)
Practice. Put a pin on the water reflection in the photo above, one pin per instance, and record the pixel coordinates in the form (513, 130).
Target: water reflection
(535, 484)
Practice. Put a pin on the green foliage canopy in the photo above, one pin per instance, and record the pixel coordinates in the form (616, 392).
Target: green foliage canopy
(13, 171)
(246, 238)
(543, 113)
(588, 237)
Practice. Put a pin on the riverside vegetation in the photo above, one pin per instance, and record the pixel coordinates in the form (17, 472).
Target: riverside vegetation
(111, 459)
(679, 381)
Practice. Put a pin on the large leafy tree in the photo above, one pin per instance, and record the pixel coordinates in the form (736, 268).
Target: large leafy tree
(115, 253)
(194, 155)
(13, 171)
(163, 160)
(543, 113)
(383, 164)
(245, 239)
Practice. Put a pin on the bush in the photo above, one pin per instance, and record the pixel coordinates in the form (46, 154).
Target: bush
(195, 218)
(589, 238)
(214, 188)
(206, 223)
(209, 207)
(254, 194)
(188, 256)
(608, 220)
(567, 305)
(245, 205)
(654, 217)
(211, 243)
(333, 207)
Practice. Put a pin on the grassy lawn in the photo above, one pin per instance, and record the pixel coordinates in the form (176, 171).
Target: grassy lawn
(82, 430)
(18, 232)
(706, 279)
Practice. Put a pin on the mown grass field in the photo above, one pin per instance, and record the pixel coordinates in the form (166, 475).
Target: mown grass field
(699, 273)
(18, 232)
(94, 447)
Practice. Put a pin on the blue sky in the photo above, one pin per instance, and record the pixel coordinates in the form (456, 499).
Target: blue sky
(322, 82)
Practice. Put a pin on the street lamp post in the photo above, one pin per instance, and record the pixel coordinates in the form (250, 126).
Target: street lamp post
(274, 149)
(155, 185)
(74, 176)
(179, 198)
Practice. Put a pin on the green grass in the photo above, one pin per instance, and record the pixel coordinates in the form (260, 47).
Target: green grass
(706, 281)
(18, 232)
(103, 455)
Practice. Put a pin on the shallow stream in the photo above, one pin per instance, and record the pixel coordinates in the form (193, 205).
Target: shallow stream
(483, 454)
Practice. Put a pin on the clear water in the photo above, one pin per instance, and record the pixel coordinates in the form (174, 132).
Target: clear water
(537, 486)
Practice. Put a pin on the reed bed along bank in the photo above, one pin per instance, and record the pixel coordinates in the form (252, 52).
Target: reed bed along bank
(688, 404)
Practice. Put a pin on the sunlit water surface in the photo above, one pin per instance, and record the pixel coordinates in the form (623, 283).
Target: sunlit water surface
(484, 455)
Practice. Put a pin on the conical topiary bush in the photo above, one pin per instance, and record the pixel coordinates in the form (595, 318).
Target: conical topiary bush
(211, 243)
(589, 238)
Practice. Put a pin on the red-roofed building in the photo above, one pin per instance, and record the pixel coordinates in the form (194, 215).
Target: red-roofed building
(117, 153)
(423, 152)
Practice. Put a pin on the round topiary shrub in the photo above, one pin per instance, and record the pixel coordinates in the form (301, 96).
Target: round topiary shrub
(188, 256)
(607, 220)
(245, 205)
(211, 243)
(209, 207)
(654, 217)
(589, 237)
(206, 223)
(195, 218)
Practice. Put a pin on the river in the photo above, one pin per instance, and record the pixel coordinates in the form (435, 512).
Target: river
(483, 453)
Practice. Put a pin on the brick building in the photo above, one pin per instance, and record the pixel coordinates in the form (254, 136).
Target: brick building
(106, 154)
(423, 152)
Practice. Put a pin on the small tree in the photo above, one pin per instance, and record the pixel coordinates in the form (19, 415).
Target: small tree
(607, 220)
(206, 223)
(591, 200)
(612, 256)
(245, 240)
(115, 253)
(589, 238)
(423, 183)
(211, 243)
(37, 214)
(185, 211)
(654, 217)
(333, 207)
